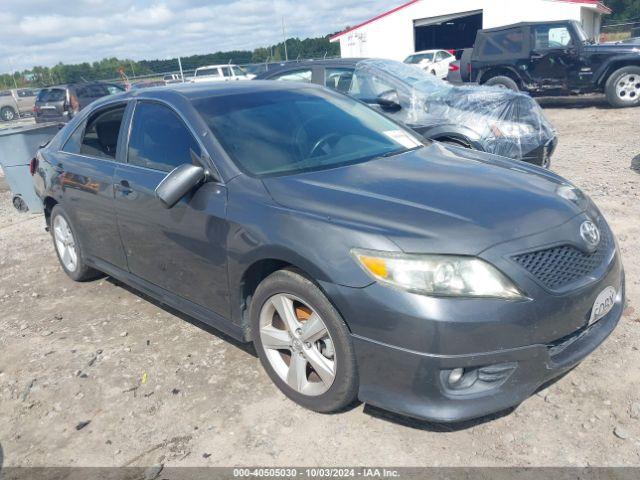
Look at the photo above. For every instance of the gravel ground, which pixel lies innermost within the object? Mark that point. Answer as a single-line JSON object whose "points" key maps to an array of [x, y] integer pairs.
{"points": [[95, 374]]}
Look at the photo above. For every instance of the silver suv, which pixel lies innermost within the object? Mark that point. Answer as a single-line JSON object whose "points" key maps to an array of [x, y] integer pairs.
{"points": [[16, 102]]}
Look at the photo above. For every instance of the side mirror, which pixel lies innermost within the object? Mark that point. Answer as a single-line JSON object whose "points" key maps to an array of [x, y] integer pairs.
{"points": [[178, 183], [389, 100]]}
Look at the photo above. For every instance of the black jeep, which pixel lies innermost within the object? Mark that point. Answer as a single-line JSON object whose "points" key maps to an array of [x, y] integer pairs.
{"points": [[545, 58]]}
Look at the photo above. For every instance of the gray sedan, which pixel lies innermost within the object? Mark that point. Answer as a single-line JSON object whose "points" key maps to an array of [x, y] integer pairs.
{"points": [[362, 261]]}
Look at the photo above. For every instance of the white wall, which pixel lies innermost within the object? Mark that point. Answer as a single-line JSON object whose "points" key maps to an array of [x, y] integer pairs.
{"points": [[392, 36]]}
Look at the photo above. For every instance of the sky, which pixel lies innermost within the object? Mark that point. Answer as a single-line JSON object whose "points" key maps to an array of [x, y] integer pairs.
{"points": [[45, 32]]}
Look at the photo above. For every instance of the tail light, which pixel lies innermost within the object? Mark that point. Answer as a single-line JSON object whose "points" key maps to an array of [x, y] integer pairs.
{"points": [[33, 166], [453, 68]]}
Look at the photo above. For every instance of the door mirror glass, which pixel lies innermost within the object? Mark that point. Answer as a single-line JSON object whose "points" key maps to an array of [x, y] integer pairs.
{"points": [[179, 183], [389, 100]]}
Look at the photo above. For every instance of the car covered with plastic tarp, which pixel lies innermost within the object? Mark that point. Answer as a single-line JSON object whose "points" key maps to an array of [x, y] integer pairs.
{"points": [[490, 119]]}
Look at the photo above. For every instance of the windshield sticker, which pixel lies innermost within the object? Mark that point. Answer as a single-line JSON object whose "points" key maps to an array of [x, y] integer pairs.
{"points": [[402, 138]]}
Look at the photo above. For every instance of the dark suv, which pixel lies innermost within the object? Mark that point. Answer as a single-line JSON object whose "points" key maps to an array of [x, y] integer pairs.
{"points": [[62, 102], [554, 58]]}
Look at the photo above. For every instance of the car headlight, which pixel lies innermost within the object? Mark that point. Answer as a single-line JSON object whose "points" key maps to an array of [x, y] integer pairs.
{"points": [[438, 275], [511, 129]]}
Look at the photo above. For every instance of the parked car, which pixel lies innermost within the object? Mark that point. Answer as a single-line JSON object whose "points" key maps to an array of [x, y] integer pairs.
{"points": [[435, 62], [16, 103], [554, 58], [62, 102], [220, 73], [172, 78], [491, 120], [362, 260]]}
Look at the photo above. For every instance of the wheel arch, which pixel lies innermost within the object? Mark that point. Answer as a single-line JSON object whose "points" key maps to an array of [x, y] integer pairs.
{"points": [[48, 204], [500, 72], [616, 64]]}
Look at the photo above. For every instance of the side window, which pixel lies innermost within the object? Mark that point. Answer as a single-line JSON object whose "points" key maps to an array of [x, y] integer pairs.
{"points": [[366, 86], [504, 43], [74, 142], [159, 139], [26, 93], [295, 76], [101, 135], [551, 36], [226, 71], [338, 78], [442, 56]]}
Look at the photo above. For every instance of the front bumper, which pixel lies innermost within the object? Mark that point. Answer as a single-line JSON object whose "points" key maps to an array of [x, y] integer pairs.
{"points": [[406, 345]]}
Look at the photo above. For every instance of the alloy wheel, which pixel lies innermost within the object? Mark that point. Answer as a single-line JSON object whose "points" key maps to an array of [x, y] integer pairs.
{"points": [[65, 243], [628, 88], [297, 344]]}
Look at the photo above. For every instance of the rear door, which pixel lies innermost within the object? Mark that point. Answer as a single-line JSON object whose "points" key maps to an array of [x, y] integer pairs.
{"points": [[26, 100], [182, 249], [86, 167]]}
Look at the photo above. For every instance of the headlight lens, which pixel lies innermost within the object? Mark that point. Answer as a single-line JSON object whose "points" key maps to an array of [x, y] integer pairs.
{"points": [[511, 129], [438, 275]]}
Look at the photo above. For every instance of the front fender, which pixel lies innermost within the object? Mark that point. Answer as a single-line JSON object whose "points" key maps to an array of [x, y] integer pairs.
{"points": [[614, 63]]}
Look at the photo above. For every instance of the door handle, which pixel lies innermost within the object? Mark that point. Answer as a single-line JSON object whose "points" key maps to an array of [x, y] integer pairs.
{"points": [[536, 56]]}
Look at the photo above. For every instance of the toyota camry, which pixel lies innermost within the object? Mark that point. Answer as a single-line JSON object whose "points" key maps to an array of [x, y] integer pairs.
{"points": [[363, 262]]}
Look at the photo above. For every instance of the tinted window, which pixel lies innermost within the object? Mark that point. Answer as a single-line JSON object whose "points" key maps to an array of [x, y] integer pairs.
{"points": [[338, 78], [551, 36], [504, 43], [113, 89], [51, 95], [26, 93], [226, 71], [159, 139], [101, 135], [91, 91], [74, 142], [288, 131], [295, 76], [5, 93]]}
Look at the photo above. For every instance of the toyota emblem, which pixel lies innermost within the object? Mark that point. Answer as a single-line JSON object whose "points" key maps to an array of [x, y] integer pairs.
{"points": [[590, 233]]}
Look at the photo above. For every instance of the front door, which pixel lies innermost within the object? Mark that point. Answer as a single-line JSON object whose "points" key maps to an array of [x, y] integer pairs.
{"points": [[554, 56], [182, 249]]}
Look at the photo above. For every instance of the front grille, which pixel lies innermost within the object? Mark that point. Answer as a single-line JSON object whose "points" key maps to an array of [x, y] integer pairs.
{"points": [[559, 266]]}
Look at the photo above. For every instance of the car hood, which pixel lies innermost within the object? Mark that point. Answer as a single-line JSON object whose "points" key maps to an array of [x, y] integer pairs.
{"points": [[437, 199]]}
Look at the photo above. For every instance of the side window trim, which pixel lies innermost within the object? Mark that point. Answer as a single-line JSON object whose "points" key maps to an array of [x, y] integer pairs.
{"points": [[207, 162], [83, 125]]}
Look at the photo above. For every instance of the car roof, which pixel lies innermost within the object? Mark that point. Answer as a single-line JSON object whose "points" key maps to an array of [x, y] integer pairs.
{"points": [[218, 66], [428, 51], [195, 91], [524, 24], [334, 62]]}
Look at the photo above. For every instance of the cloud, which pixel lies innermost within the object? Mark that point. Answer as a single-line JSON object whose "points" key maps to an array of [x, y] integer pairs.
{"points": [[45, 32]]}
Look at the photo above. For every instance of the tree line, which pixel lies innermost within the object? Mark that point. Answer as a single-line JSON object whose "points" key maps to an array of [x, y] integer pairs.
{"points": [[108, 68]]}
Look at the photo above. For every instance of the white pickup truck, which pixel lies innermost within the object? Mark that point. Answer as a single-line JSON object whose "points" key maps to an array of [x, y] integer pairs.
{"points": [[220, 73], [16, 102]]}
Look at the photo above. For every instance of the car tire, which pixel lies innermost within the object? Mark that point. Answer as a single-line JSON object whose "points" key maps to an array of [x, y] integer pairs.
{"points": [[503, 82], [336, 386], [68, 248], [7, 114], [623, 87]]}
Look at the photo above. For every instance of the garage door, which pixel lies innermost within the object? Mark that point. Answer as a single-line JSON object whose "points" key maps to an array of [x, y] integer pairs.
{"points": [[447, 32]]}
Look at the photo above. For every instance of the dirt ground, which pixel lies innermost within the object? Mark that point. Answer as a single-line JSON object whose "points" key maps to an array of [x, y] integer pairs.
{"points": [[96, 375]]}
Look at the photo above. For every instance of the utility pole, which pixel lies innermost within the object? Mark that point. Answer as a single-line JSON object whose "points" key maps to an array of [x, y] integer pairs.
{"points": [[181, 72], [132, 69], [284, 38]]}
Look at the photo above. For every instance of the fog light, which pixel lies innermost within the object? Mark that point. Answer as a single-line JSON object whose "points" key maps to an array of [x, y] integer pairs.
{"points": [[455, 376]]}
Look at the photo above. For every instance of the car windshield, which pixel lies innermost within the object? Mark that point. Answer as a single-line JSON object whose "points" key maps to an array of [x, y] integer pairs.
{"points": [[286, 131], [417, 58]]}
